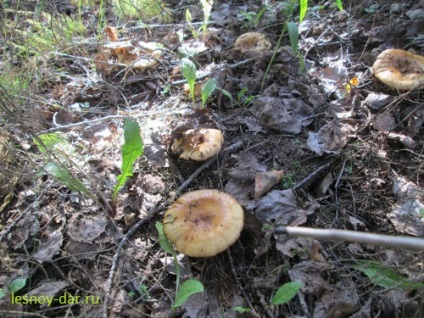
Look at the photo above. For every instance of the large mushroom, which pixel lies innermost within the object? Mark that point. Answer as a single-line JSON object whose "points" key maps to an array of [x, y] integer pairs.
{"points": [[399, 69], [203, 223], [198, 144]]}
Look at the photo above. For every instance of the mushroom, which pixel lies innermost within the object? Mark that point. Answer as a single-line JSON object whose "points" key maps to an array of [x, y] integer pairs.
{"points": [[254, 43], [198, 144], [399, 69], [203, 223]]}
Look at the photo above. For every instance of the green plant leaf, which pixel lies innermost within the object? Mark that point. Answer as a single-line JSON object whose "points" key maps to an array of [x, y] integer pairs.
{"points": [[131, 150], [188, 16], [17, 284], [385, 277], [226, 93], [189, 72], [303, 8], [64, 176], [207, 90], [339, 4], [293, 35], [207, 8], [241, 309], [50, 141], [285, 293], [163, 240], [188, 288], [2, 293]]}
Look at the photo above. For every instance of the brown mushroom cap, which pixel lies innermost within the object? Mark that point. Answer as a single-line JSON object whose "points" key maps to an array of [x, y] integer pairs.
{"points": [[399, 69], [252, 43], [198, 144], [203, 223]]}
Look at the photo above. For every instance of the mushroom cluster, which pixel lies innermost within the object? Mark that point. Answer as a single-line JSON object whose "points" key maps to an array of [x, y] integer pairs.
{"points": [[198, 144], [399, 69], [203, 223]]}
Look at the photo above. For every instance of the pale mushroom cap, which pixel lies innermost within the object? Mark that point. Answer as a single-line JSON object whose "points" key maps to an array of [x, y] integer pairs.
{"points": [[198, 144], [252, 42], [203, 223], [399, 69]]}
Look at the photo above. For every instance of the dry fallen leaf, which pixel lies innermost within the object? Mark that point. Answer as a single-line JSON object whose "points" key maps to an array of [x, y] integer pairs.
{"points": [[266, 180]]}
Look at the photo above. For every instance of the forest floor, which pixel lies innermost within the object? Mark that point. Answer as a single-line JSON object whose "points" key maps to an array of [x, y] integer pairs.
{"points": [[311, 139]]}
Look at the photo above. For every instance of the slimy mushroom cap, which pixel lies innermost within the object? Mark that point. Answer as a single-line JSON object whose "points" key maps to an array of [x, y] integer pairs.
{"points": [[399, 69], [203, 223]]}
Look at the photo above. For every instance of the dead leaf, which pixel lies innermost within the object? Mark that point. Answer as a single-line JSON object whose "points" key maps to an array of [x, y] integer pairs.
{"points": [[310, 274], [111, 33], [50, 248], [331, 138], [285, 115], [341, 301], [266, 180], [280, 207]]}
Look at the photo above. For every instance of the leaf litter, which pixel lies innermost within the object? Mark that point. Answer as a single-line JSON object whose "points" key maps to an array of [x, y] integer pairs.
{"points": [[290, 125]]}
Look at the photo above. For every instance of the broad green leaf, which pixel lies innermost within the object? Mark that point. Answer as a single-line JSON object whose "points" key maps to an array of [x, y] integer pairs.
{"points": [[189, 73], [131, 150], [163, 240], [188, 288], [285, 293], [207, 90], [385, 277], [303, 7], [49, 141], [17, 284], [339, 4], [64, 176], [293, 35]]}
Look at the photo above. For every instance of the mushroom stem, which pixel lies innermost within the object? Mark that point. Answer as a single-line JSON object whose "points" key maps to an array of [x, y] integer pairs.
{"points": [[401, 242]]}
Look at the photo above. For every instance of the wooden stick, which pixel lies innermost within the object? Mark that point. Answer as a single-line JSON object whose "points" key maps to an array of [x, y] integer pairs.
{"points": [[400, 242]]}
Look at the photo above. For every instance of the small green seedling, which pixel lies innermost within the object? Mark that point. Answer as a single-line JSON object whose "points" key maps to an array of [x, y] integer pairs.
{"points": [[285, 293], [189, 287], [131, 150], [303, 4], [189, 72], [16, 285], [207, 90], [207, 8], [241, 309]]}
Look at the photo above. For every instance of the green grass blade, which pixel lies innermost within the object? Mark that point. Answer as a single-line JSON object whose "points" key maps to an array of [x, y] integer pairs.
{"points": [[163, 240], [65, 177], [303, 8], [293, 35], [339, 4], [188, 288], [385, 277], [131, 150]]}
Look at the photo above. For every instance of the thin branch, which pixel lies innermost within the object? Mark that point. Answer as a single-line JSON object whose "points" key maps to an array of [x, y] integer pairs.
{"points": [[399, 242], [117, 254], [204, 166]]}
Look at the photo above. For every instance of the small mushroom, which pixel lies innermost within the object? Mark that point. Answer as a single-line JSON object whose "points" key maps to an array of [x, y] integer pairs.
{"points": [[198, 144], [203, 223], [253, 43], [399, 69]]}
